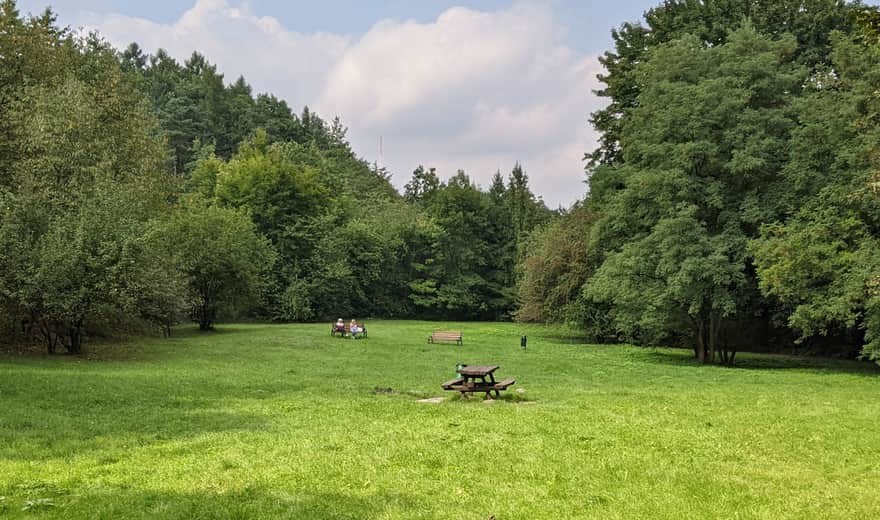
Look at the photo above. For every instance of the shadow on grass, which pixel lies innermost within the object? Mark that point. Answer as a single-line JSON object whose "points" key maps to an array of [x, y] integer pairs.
{"points": [[186, 331], [515, 398], [120, 346], [755, 361], [57, 413], [563, 338], [250, 502], [31, 442]]}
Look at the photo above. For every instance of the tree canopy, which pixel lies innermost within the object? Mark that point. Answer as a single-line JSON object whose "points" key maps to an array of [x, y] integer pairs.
{"points": [[732, 201], [139, 191]]}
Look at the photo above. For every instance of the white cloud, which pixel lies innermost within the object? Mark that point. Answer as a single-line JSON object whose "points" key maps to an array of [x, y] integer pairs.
{"points": [[472, 90], [288, 64]]}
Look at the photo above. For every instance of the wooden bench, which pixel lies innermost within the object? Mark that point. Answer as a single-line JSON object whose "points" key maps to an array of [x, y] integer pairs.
{"points": [[448, 336], [346, 330], [472, 387], [453, 382], [504, 384]]}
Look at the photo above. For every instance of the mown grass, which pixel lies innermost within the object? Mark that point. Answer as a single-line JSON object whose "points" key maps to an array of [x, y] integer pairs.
{"points": [[263, 421]]}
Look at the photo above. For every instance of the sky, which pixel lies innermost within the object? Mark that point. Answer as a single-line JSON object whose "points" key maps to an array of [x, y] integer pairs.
{"points": [[476, 86]]}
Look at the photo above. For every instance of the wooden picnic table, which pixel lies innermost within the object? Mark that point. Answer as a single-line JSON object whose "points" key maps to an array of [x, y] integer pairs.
{"points": [[474, 372], [478, 378]]}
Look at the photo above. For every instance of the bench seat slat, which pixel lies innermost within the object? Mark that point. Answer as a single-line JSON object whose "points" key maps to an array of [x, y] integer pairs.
{"points": [[479, 387], [453, 382], [502, 385]]}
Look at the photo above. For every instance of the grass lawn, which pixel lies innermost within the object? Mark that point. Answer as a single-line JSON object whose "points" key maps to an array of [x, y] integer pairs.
{"points": [[274, 421]]}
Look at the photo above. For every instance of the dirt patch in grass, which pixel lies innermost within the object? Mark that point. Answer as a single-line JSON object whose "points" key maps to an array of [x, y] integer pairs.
{"points": [[432, 400]]}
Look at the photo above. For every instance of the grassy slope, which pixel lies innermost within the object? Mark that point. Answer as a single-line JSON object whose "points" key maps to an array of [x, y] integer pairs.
{"points": [[284, 421]]}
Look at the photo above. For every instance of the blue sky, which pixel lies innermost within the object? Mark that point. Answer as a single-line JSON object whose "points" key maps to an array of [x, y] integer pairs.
{"points": [[588, 21], [477, 86]]}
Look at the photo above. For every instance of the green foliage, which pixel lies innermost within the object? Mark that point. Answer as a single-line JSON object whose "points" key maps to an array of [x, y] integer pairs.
{"points": [[343, 239], [821, 267], [558, 260], [194, 106], [348, 245], [721, 143], [289, 193], [284, 197], [524, 208], [89, 268], [205, 170], [710, 23], [421, 186], [726, 118], [868, 21], [470, 273], [223, 259], [118, 171], [702, 151], [734, 186], [81, 178], [821, 259]]}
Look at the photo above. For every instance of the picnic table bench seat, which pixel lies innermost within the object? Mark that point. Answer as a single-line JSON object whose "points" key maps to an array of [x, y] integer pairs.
{"points": [[453, 382], [476, 386], [504, 384], [448, 336]]}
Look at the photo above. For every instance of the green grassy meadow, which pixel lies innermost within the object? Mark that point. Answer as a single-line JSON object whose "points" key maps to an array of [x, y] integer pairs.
{"points": [[283, 421]]}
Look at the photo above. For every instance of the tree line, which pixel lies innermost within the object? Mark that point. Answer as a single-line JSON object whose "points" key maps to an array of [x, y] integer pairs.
{"points": [[733, 200], [137, 192], [732, 205]]}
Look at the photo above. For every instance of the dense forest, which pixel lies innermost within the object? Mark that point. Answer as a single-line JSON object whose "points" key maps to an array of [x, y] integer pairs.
{"points": [[732, 199], [733, 202], [138, 192]]}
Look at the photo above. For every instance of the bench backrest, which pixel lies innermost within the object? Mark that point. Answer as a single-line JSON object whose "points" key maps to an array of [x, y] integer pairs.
{"points": [[446, 334]]}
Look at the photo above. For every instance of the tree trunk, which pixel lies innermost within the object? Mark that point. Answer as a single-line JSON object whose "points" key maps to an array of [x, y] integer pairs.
{"points": [[75, 336], [714, 328], [206, 313], [711, 337], [730, 358], [27, 328], [45, 330], [206, 318], [701, 341]]}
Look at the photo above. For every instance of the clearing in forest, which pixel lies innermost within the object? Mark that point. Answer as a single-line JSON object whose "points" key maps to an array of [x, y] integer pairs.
{"points": [[274, 421]]}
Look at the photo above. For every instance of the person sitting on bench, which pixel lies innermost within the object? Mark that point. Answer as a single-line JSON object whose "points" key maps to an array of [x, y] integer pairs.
{"points": [[354, 329], [340, 326]]}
